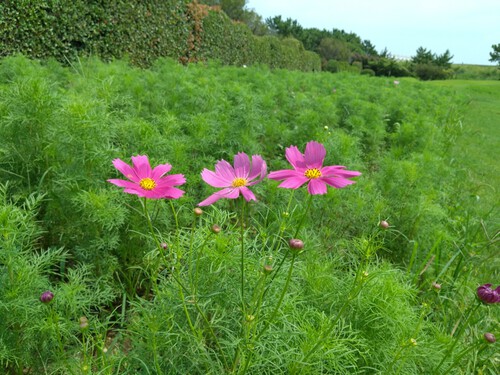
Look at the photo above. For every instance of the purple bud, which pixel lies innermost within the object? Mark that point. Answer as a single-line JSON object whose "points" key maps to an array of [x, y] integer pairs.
{"points": [[296, 244], [164, 245], [47, 296], [490, 337], [383, 224], [488, 295]]}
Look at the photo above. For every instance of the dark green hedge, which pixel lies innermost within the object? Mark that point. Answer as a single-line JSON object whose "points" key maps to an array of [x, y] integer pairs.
{"points": [[143, 30]]}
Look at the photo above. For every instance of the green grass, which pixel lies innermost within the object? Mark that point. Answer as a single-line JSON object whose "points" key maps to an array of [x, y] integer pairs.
{"points": [[476, 72], [477, 149]]}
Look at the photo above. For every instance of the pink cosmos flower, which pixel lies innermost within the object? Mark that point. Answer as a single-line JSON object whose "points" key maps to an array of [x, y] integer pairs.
{"points": [[234, 180], [146, 182], [308, 167]]}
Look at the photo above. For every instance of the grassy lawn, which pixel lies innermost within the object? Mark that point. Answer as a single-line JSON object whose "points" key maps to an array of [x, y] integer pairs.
{"points": [[481, 138]]}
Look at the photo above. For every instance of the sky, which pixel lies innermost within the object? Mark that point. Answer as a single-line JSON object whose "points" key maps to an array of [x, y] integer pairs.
{"points": [[467, 28]]}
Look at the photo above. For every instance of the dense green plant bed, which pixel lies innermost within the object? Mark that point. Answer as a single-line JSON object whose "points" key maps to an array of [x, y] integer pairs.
{"points": [[377, 275]]}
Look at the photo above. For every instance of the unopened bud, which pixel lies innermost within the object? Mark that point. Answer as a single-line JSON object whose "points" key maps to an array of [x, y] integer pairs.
{"points": [[268, 269], [164, 245], [47, 296], [490, 337], [413, 342], [215, 228], [436, 286], [84, 322], [383, 224], [250, 318], [296, 244], [198, 211]]}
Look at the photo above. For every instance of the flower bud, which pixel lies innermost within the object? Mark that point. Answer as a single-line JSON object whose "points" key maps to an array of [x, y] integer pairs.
{"points": [[488, 295], [413, 342], [47, 296], [268, 269], [83, 322], [164, 245], [296, 244], [436, 286], [490, 337], [215, 229], [198, 211], [383, 224]]}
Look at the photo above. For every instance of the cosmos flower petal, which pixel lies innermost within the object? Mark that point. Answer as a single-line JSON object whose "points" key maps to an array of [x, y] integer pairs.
{"points": [[284, 173], [293, 182], [295, 157], [160, 170], [338, 170], [258, 167], [316, 186], [337, 182], [247, 194], [123, 183], [225, 171], [169, 192], [230, 193], [171, 180], [314, 155], [141, 166], [126, 170], [241, 165], [214, 179]]}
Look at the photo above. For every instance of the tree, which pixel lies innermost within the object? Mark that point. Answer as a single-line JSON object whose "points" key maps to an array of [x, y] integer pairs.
{"points": [[444, 60], [255, 23], [334, 49], [423, 56], [235, 9], [285, 28], [495, 55]]}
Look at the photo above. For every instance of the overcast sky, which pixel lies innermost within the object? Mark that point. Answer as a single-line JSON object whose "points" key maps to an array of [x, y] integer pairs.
{"points": [[468, 28]]}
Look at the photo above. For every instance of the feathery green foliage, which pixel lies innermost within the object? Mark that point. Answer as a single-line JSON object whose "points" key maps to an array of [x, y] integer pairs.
{"points": [[360, 298]]}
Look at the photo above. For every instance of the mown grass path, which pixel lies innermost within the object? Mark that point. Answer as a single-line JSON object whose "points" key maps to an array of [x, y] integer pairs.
{"points": [[478, 148]]}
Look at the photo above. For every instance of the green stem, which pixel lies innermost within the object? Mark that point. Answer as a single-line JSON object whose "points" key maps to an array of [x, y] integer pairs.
{"points": [[274, 313], [242, 261], [350, 296], [150, 223], [460, 355], [469, 314], [276, 272], [308, 206], [282, 296]]}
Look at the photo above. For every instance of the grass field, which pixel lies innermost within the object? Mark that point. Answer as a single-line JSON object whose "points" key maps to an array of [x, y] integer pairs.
{"points": [[480, 142]]}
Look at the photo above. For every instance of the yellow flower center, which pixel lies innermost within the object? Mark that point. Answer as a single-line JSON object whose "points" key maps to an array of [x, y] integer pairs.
{"points": [[312, 173], [147, 183], [238, 182]]}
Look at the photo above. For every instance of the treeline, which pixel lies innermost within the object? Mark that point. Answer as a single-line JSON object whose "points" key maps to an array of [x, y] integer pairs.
{"points": [[141, 30], [192, 31], [343, 51]]}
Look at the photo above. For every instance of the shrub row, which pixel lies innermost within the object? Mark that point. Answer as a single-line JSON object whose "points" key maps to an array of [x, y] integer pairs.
{"points": [[143, 30]]}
